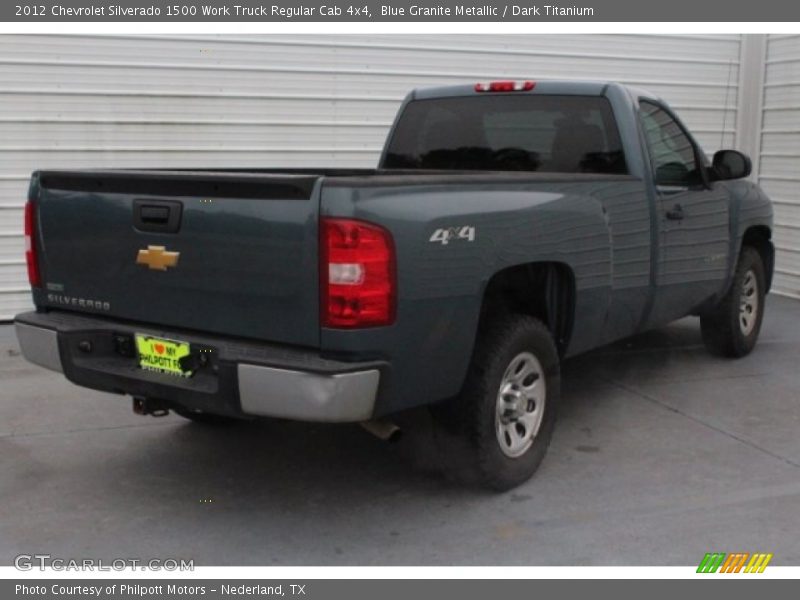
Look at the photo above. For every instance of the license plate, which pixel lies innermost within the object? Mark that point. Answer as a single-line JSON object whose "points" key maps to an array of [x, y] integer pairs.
{"points": [[158, 354]]}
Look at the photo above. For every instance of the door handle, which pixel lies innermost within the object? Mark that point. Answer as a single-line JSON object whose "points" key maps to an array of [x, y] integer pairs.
{"points": [[675, 214]]}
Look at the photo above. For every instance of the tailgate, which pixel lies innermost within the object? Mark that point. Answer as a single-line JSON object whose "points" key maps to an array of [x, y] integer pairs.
{"points": [[231, 253]]}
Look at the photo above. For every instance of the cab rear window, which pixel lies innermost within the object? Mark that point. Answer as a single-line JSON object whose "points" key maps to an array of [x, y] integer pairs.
{"points": [[559, 134]]}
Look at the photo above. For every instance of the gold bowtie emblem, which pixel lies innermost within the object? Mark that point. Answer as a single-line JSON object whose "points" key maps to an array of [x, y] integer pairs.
{"points": [[157, 258]]}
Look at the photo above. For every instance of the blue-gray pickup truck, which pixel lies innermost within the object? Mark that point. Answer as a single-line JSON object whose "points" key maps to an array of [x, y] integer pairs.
{"points": [[510, 224]]}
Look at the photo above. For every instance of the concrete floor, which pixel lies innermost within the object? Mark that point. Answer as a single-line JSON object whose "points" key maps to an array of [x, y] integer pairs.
{"points": [[662, 453]]}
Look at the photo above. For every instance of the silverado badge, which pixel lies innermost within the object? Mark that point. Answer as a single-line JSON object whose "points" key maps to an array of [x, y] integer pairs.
{"points": [[157, 258]]}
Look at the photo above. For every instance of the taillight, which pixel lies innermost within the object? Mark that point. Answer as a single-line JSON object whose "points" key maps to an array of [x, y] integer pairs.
{"points": [[30, 245], [505, 86], [357, 274]]}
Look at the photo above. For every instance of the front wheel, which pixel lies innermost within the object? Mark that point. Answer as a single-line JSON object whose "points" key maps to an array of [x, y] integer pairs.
{"points": [[731, 328], [505, 414]]}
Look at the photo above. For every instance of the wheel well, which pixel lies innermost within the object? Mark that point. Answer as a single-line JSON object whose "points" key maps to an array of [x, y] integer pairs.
{"points": [[758, 237], [543, 290]]}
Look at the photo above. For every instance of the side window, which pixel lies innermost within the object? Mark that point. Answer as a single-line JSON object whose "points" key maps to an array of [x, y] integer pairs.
{"points": [[672, 153]]}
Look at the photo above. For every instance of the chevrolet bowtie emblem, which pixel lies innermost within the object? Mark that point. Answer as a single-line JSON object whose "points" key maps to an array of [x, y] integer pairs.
{"points": [[157, 258]]}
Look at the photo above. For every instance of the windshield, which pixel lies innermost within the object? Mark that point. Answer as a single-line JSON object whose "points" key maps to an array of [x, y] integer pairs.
{"points": [[560, 134]]}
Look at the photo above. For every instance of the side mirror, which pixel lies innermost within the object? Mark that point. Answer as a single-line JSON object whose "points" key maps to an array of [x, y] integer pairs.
{"points": [[730, 164]]}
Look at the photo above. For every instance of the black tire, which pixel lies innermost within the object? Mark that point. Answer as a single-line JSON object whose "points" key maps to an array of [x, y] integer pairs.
{"points": [[206, 418], [723, 327], [468, 424]]}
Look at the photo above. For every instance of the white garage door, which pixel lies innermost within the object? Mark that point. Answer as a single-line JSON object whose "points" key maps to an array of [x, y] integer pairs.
{"points": [[184, 101], [780, 156]]}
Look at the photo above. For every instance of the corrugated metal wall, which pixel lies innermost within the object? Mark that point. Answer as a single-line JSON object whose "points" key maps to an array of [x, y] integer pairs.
{"points": [[257, 101], [780, 155]]}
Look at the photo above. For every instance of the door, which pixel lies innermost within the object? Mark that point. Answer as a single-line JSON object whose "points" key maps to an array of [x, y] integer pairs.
{"points": [[694, 230]]}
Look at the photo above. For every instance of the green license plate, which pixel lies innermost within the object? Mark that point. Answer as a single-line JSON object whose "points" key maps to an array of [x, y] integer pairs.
{"points": [[157, 354]]}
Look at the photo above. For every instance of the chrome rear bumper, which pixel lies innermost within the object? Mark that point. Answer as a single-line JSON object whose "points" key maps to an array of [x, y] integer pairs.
{"points": [[297, 385], [39, 346], [307, 396]]}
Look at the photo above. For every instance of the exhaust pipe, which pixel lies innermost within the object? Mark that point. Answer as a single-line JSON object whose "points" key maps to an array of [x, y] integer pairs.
{"points": [[383, 430]]}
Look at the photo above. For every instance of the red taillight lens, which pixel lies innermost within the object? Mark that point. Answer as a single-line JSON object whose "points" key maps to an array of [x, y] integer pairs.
{"points": [[357, 274], [505, 86], [30, 245]]}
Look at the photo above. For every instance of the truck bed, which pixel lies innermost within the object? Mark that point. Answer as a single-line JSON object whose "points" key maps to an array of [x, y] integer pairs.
{"points": [[246, 241]]}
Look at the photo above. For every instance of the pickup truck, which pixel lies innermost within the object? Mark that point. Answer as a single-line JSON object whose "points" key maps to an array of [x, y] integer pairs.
{"points": [[509, 225]]}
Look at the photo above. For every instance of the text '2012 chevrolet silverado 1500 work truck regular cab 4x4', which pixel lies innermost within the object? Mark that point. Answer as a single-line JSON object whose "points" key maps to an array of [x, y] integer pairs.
{"points": [[509, 225]]}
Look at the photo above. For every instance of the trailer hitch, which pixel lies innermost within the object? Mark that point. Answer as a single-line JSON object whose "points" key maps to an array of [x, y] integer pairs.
{"points": [[149, 406]]}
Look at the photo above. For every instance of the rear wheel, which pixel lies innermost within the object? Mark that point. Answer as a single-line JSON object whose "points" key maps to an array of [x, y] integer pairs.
{"points": [[501, 424], [731, 328]]}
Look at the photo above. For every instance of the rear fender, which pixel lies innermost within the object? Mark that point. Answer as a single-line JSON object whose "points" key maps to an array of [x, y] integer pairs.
{"points": [[442, 278]]}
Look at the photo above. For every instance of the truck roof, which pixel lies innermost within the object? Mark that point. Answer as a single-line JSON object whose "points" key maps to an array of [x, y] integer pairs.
{"points": [[546, 86]]}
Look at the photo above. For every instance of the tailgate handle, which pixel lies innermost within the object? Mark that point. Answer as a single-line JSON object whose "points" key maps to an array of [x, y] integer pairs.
{"points": [[162, 216], [155, 214]]}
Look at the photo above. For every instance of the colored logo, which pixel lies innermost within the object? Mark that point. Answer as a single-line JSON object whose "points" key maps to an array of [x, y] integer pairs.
{"points": [[737, 562], [157, 258]]}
